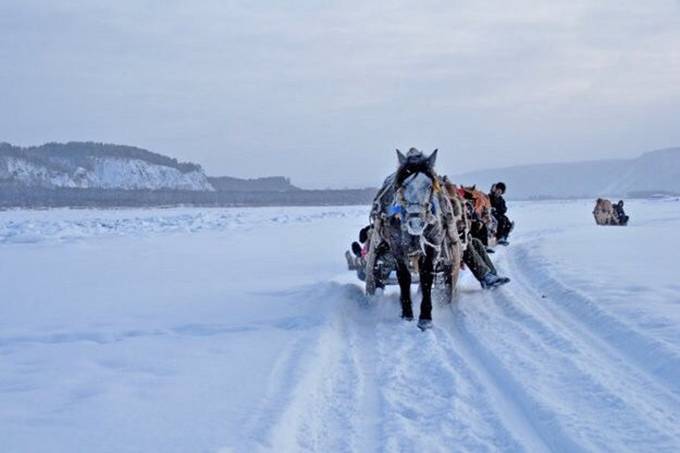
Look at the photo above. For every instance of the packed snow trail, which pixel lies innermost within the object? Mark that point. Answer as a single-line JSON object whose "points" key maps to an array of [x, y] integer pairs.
{"points": [[239, 330], [534, 366], [478, 382]]}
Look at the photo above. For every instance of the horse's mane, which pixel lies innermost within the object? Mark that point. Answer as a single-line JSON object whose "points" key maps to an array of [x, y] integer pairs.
{"points": [[412, 167]]}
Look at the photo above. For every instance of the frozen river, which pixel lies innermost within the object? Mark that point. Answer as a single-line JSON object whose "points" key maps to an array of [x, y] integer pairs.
{"points": [[211, 330]]}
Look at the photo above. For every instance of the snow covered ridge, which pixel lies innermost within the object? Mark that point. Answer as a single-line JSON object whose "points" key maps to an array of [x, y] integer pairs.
{"points": [[106, 173], [17, 227], [97, 166]]}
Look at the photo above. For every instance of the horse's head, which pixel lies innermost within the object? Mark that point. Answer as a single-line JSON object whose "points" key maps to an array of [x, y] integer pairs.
{"points": [[415, 204]]}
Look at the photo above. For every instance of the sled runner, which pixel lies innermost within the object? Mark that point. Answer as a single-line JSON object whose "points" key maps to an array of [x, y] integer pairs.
{"points": [[385, 267]]}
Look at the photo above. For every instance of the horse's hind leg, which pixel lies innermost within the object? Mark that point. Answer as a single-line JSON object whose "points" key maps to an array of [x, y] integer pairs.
{"points": [[404, 277]]}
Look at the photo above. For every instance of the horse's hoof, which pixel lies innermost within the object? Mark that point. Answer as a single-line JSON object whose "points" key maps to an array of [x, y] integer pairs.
{"points": [[424, 324], [407, 318]]}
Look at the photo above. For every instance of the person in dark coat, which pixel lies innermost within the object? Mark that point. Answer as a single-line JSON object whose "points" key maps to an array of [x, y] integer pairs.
{"points": [[620, 214], [500, 213]]}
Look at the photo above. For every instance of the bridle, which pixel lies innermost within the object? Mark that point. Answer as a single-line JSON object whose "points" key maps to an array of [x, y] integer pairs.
{"points": [[415, 218]]}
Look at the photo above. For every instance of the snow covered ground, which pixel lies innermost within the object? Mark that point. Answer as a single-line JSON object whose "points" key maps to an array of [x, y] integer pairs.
{"points": [[229, 330]]}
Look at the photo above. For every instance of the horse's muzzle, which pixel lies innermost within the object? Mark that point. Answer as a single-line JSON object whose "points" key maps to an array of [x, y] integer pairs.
{"points": [[415, 226]]}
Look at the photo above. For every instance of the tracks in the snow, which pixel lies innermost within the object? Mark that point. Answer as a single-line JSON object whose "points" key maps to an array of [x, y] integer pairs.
{"points": [[323, 391], [528, 367], [577, 392], [366, 381], [582, 313]]}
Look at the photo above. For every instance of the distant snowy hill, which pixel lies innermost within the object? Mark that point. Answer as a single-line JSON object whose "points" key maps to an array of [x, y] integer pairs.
{"points": [[102, 175], [87, 165], [653, 172], [29, 177]]}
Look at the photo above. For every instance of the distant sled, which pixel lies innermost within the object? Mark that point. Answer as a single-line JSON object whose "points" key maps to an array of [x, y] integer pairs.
{"points": [[607, 213]]}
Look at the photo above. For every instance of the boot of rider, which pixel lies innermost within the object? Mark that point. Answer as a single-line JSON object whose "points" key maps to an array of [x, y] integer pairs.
{"points": [[492, 281]]}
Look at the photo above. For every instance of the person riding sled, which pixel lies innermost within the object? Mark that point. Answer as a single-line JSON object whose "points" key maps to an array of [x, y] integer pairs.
{"points": [[620, 214], [475, 257], [500, 210], [477, 260], [476, 254]]}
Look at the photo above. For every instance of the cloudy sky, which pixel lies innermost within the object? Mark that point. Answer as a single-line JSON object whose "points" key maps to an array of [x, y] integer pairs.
{"points": [[324, 91]]}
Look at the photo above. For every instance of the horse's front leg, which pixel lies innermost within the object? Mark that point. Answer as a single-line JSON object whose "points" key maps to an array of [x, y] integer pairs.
{"points": [[404, 277], [426, 281]]}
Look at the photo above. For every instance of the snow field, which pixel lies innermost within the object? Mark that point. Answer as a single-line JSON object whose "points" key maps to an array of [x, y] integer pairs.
{"points": [[240, 330]]}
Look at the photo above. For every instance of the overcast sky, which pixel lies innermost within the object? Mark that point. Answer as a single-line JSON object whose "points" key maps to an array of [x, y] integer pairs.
{"points": [[324, 91]]}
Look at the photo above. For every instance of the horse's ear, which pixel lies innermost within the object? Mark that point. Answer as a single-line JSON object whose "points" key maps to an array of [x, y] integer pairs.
{"points": [[401, 157], [433, 158]]}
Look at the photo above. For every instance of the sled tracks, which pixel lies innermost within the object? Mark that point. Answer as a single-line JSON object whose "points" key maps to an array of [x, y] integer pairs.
{"points": [[507, 370], [321, 394], [593, 383], [367, 381]]}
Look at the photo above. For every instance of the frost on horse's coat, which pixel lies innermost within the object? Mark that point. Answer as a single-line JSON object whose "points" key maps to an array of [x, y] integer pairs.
{"points": [[416, 220]]}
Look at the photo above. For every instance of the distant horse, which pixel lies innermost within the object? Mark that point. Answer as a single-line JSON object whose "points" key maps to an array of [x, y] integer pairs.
{"points": [[415, 218], [482, 208], [480, 200], [604, 212]]}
